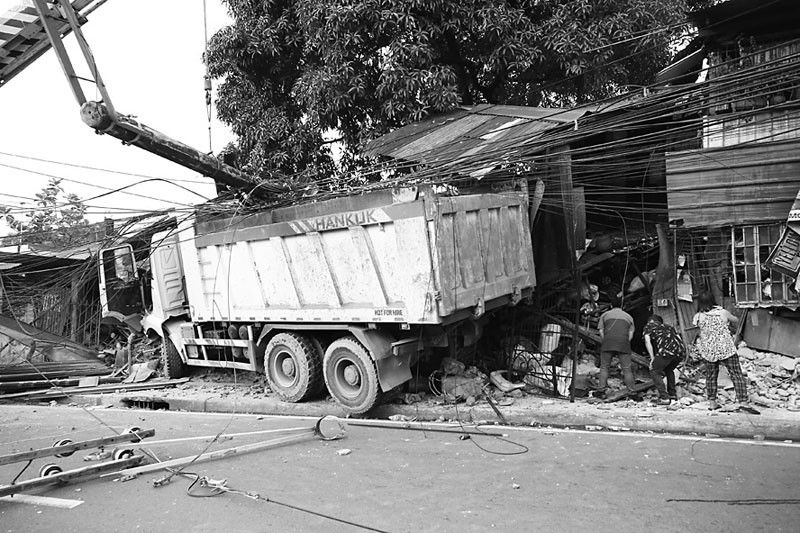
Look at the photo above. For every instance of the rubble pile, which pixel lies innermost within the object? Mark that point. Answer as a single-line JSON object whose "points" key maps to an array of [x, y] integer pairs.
{"points": [[774, 378]]}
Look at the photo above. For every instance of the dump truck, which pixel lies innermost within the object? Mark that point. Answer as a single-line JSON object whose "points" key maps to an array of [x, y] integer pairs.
{"points": [[344, 294]]}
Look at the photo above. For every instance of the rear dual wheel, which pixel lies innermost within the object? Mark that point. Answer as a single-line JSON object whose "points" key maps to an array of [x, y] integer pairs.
{"points": [[351, 375], [293, 364]]}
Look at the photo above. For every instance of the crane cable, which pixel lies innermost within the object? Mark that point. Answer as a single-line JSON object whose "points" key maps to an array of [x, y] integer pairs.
{"points": [[207, 77]]}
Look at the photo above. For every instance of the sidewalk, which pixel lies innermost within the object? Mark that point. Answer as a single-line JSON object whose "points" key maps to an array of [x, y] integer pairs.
{"points": [[771, 424]]}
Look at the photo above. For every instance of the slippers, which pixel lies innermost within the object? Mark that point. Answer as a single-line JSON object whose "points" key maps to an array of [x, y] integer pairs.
{"points": [[749, 409]]}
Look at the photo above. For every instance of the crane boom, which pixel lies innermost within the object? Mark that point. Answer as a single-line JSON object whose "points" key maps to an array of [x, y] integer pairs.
{"points": [[57, 18]]}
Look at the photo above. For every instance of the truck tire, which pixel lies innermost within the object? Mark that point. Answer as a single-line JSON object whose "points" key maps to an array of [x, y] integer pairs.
{"points": [[293, 366], [351, 375], [174, 367]]}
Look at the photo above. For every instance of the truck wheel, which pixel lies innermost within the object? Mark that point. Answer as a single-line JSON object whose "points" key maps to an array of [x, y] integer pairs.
{"points": [[293, 366], [174, 367], [351, 375]]}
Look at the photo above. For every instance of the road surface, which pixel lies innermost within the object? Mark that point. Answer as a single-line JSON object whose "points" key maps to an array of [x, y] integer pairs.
{"points": [[399, 480]]}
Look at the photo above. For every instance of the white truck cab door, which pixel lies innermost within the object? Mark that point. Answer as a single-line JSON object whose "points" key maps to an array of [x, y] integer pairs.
{"points": [[120, 287]]}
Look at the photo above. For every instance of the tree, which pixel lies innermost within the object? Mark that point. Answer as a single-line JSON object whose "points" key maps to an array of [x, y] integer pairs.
{"points": [[295, 70], [55, 220]]}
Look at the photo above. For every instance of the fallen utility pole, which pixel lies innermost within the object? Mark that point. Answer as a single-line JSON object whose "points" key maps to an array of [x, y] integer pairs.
{"points": [[301, 434], [70, 448], [422, 426], [217, 454], [69, 475]]}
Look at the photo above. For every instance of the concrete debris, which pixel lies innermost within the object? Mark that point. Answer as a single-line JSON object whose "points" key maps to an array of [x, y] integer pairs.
{"points": [[773, 378], [452, 367], [461, 387], [412, 398]]}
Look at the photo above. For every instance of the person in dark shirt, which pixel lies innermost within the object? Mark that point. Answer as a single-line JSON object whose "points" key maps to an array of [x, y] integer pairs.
{"points": [[616, 331], [666, 350]]}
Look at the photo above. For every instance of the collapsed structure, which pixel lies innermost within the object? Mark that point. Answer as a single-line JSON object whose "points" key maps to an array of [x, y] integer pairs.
{"points": [[654, 196]]}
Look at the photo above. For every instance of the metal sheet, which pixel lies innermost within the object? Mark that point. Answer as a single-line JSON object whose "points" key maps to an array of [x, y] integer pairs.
{"points": [[742, 184], [479, 131]]}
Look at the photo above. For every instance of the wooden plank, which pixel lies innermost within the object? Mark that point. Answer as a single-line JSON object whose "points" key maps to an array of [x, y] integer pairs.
{"points": [[75, 446], [579, 206], [625, 392], [16, 386], [69, 475]]}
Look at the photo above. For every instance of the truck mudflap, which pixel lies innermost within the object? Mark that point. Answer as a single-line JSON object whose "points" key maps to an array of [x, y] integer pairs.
{"points": [[393, 359]]}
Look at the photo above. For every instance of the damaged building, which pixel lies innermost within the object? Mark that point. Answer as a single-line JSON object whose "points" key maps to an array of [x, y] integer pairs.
{"points": [[729, 197]]}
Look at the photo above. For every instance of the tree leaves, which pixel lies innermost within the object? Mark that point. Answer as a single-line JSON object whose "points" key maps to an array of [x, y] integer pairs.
{"points": [[54, 220], [295, 69]]}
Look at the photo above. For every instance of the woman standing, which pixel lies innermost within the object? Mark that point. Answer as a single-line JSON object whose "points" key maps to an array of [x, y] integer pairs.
{"points": [[716, 346]]}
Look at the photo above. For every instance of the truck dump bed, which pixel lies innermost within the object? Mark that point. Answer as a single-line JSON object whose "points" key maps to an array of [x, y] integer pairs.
{"points": [[399, 256]]}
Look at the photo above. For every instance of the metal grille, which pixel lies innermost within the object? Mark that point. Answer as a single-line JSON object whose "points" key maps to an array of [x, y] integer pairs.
{"points": [[755, 283]]}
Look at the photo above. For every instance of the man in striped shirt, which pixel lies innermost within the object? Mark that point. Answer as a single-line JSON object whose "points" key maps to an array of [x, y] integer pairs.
{"points": [[616, 331]]}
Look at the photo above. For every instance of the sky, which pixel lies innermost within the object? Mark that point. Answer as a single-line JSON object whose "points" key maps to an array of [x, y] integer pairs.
{"points": [[149, 54]]}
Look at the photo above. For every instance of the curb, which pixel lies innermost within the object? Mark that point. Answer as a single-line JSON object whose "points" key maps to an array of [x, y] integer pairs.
{"points": [[774, 425]]}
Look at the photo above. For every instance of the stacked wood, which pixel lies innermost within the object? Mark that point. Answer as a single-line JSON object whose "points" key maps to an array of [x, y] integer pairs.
{"points": [[17, 386], [56, 393], [28, 376], [44, 371]]}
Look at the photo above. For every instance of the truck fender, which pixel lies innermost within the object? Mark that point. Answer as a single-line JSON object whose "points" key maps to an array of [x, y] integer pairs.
{"points": [[172, 329], [394, 366]]}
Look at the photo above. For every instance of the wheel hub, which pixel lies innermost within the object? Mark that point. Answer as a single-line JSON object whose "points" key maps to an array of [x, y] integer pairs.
{"points": [[351, 375], [287, 366]]}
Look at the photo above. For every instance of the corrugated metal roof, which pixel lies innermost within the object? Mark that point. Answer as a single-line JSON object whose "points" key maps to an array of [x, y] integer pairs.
{"points": [[23, 38], [469, 134]]}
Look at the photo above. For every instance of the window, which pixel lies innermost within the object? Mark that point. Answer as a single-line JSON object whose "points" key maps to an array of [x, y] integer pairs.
{"points": [[757, 285]]}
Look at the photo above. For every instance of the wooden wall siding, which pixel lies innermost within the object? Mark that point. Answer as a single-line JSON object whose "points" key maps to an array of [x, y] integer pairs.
{"points": [[769, 126], [743, 184]]}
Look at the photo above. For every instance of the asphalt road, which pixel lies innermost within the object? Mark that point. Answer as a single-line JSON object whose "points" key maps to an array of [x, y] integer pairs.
{"points": [[398, 480]]}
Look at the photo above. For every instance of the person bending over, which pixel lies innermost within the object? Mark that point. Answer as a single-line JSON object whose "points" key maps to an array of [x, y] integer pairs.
{"points": [[616, 331], [666, 350]]}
